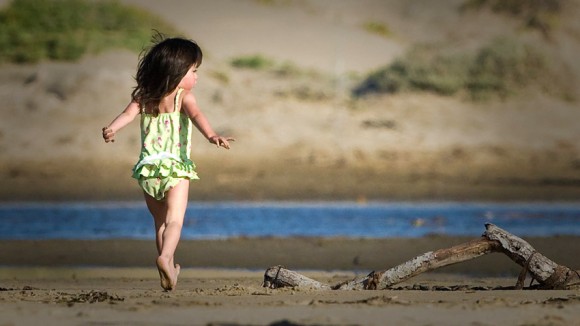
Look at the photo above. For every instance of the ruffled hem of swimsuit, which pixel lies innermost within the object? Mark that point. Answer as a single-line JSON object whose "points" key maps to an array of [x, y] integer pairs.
{"points": [[165, 168]]}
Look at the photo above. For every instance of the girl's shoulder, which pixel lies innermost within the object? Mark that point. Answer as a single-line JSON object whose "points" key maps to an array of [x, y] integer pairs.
{"points": [[188, 99], [189, 105], [187, 96]]}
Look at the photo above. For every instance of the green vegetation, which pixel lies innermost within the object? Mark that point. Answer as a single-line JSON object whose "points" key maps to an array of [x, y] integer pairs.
{"points": [[259, 62], [220, 76], [297, 81], [537, 14], [503, 67], [273, 2], [255, 62], [497, 69], [34, 30], [377, 28]]}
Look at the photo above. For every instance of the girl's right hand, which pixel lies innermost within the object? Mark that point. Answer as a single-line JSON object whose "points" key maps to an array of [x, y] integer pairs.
{"points": [[108, 135]]}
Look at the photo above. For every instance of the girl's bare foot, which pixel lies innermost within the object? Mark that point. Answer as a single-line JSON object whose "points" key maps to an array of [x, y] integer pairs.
{"points": [[168, 278], [177, 270]]}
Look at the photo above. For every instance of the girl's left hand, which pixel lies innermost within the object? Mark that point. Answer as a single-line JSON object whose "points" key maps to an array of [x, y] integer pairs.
{"points": [[221, 141]]}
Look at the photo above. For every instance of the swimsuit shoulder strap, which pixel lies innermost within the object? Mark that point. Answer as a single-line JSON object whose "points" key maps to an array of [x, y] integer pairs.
{"points": [[177, 102]]}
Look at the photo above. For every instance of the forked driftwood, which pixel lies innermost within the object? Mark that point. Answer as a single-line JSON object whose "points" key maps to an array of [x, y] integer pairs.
{"points": [[547, 273]]}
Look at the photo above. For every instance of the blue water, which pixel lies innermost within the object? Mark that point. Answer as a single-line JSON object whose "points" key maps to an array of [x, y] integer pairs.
{"points": [[131, 220]]}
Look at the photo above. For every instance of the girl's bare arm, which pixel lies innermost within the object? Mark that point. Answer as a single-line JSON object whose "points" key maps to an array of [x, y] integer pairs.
{"points": [[123, 119], [190, 107]]}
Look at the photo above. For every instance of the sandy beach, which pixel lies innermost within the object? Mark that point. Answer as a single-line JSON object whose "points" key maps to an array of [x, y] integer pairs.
{"points": [[115, 283], [217, 297]]}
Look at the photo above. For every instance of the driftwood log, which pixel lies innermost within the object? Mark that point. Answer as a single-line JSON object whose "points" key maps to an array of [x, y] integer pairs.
{"points": [[547, 273]]}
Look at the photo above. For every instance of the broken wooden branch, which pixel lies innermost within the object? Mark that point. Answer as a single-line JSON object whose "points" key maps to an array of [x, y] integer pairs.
{"points": [[278, 276], [549, 274]]}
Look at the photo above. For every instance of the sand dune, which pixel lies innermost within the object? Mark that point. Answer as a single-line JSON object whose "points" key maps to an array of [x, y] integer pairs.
{"points": [[301, 136]]}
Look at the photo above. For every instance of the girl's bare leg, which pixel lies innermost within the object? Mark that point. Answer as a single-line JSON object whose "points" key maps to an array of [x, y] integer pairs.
{"points": [[168, 216], [158, 210]]}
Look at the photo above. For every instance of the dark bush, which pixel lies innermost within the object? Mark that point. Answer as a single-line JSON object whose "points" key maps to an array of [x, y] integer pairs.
{"points": [[499, 68]]}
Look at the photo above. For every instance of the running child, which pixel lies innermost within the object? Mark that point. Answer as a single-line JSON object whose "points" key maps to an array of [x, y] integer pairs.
{"points": [[166, 74]]}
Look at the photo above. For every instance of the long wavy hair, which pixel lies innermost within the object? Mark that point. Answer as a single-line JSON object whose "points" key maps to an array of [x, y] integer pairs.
{"points": [[161, 68]]}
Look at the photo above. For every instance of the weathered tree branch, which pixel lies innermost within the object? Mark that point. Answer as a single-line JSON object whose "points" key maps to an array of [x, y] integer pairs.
{"points": [[549, 274], [278, 276]]}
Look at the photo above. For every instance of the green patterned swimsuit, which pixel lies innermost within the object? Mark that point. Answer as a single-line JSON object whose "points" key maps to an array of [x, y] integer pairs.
{"points": [[165, 151]]}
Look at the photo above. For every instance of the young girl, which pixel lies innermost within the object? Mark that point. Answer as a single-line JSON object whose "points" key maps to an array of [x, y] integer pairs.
{"points": [[165, 76]]}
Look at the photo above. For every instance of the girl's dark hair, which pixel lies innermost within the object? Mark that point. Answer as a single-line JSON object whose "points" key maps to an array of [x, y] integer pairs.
{"points": [[161, 68]]}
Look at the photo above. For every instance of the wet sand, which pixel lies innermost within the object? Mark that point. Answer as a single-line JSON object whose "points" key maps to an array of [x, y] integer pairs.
{"points": [[115, 283]]}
